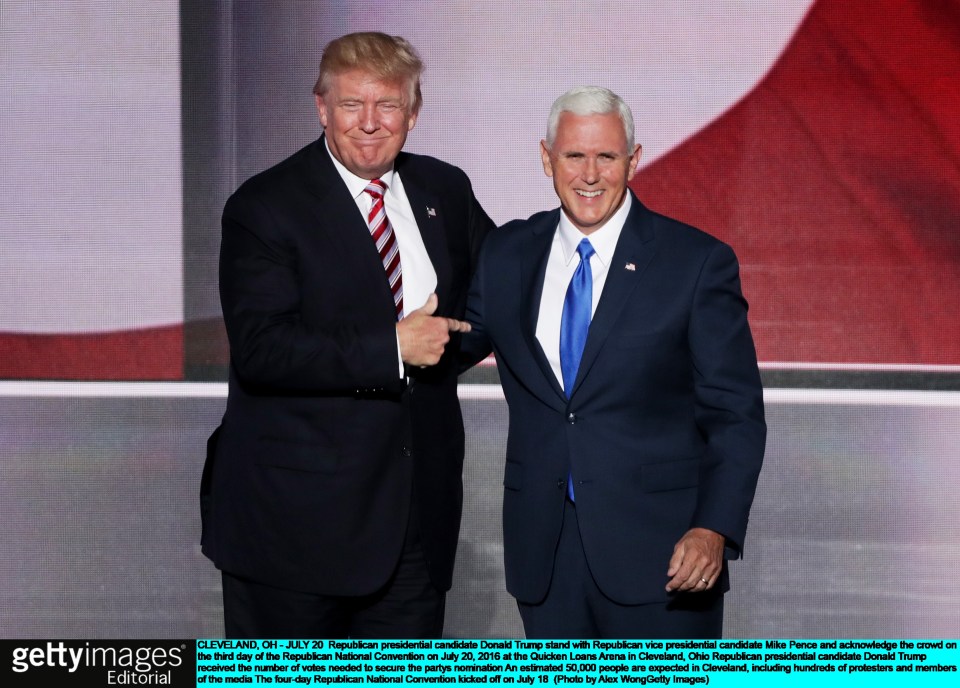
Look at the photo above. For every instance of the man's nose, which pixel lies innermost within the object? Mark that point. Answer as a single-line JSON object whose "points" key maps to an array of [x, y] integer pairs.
{"points": [[591, 171], [368, 119]]}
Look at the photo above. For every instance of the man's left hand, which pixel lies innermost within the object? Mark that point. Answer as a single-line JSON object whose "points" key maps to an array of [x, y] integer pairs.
{"points": [[696, 562]]}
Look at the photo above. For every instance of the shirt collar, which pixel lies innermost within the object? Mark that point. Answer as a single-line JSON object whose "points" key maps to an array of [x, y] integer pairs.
{"points": [[355, 184], [604, 240]]}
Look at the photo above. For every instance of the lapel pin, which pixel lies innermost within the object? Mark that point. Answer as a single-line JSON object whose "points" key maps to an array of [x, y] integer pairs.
{"points": [[431, 212], [631, 267]]}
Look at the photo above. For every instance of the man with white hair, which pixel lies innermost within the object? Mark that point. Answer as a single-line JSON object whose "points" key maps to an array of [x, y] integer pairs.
{"points": [[636, 410]]}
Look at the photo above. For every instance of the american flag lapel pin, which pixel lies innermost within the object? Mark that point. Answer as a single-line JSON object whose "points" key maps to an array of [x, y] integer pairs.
{"points": [[431, 212], [631, 267]]}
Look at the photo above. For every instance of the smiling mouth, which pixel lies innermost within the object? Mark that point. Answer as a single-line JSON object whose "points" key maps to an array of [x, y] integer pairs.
{"points": [[589, 194]]}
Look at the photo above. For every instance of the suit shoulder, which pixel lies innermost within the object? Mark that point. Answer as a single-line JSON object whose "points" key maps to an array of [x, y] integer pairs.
{"points": [[547, 219], [534, 220], [676, 231], [507, 235], [285, 175], [430, 171]]}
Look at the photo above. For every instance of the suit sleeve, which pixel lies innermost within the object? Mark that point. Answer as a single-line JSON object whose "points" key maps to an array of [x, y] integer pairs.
{"points": [[729, 400], [475, 345], [271, 345], [480, 225]]}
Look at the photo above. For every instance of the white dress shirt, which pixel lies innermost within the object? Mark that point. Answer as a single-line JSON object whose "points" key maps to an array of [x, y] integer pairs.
{"points": [[562, 263], [418, 274]]}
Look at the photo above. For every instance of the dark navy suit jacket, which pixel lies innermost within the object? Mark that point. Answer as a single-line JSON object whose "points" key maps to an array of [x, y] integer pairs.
{"points": [[665, 428], [324, 449]]}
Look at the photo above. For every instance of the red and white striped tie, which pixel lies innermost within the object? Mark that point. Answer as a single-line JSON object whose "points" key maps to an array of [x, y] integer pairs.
{"points": [[386, 242]]}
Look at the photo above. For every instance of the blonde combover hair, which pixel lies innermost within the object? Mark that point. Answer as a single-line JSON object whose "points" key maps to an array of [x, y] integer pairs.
{"points": [[389, 58]]}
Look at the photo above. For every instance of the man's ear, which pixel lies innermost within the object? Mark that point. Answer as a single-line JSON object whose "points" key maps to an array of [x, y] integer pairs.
{"points": [[545, 158], [634, 161], [321, 110]]}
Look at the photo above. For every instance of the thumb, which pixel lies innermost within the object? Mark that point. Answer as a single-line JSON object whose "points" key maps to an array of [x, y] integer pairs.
{"points": [[430, 307]]}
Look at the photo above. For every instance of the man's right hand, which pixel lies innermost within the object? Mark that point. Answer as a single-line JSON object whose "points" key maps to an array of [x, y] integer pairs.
{"points": [[423, 336]]}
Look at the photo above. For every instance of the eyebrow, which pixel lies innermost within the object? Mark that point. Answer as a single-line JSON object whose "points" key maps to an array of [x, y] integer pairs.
{"points": [[612, 154], [360, 99]]}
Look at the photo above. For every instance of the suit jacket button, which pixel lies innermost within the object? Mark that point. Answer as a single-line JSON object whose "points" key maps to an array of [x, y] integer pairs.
{"points": [[406, 451], [561, 483], [571, 418]]}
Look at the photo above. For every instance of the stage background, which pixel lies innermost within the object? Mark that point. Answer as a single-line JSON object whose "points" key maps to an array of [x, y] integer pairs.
{"points": [[820, 139]]}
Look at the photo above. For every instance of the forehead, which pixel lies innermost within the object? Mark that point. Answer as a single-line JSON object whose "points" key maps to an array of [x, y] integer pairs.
{"points": [[590, 132], [358, 83]]}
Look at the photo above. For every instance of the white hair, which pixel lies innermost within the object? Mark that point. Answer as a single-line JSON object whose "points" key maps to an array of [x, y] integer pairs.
{"points": [[590, 100]]}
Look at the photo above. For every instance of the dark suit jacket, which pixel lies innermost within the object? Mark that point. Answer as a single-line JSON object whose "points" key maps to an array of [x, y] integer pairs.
{"points": [[664, 430], [324, 449]]}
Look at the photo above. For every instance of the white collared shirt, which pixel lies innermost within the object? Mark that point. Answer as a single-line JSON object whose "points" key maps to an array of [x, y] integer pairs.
{"points": [[419, 275], [562, 263]]}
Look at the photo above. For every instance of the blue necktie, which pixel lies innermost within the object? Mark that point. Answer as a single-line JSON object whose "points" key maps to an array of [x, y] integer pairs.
{"points": [[575, 323]]}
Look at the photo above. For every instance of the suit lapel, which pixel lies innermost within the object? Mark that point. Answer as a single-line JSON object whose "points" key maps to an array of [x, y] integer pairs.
{"points": [[533, 270], [433, 230], [343, 229], [635, 248]]}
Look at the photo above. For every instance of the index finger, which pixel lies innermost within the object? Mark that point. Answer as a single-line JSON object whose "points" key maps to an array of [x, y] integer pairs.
{"points": [[454, 325]]}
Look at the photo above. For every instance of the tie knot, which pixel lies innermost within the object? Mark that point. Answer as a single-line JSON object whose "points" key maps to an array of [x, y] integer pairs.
{"points": [[585, 249], [376, 188]]}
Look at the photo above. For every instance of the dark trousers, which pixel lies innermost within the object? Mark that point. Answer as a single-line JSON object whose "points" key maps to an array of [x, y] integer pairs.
{"points": [[576, 608], [407, 606]]}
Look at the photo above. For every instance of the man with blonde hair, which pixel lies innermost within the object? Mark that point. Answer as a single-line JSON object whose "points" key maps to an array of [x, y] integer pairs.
{"points": [[332, 492]]}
